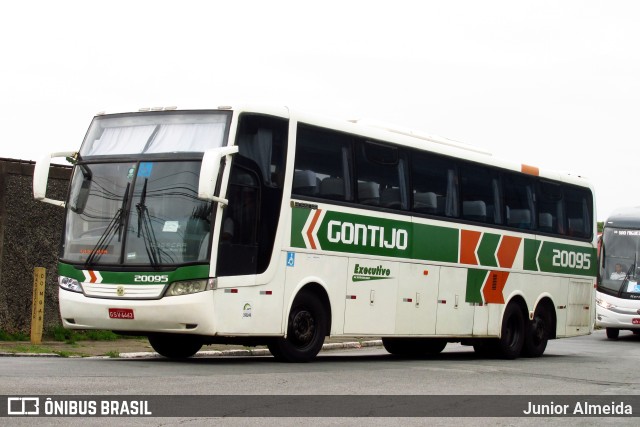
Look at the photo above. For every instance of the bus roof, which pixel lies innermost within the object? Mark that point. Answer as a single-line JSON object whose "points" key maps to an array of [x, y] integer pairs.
{"points": [[627, 217], [388, 133]]}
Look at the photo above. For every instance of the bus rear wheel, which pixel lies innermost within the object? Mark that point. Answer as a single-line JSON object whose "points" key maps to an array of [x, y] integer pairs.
{"points": [[512, 338], [175, 346], [307, 328], [537, 333], [414, 347]]}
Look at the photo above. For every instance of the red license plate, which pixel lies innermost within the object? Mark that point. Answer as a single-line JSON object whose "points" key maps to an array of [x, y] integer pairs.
{"points": [[121, 313], [635, 321]]}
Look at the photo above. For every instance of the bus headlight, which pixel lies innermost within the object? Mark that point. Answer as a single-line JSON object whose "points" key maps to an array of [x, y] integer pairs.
{"points": [[69, 284], [604, 304], [189, 287]]}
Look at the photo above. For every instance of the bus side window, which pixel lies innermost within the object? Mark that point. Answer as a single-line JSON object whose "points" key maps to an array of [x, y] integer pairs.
{"points": [[578, 205], [321, 165], [480, 194], [380, 172], [518, 201], [549, 202], [434, 185]]}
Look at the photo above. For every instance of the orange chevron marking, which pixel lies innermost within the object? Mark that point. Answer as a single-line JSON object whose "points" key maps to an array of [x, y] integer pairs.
{"points": [[508, 250], [468, 244], [493, 287]]}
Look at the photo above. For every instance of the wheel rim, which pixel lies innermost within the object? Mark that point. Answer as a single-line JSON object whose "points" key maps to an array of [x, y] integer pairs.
{"points": [[303, 328]]}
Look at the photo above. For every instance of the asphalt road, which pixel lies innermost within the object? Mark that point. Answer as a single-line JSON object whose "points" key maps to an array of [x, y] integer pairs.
{"points": [[590, 365]]}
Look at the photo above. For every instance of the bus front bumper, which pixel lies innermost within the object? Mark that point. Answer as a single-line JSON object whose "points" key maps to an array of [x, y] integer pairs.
{"points": [[190, 314], [617, 313]]}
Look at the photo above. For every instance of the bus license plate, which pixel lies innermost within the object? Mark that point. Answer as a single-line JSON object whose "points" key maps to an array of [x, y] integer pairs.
{"points": [[121, 313], [636, 321]]}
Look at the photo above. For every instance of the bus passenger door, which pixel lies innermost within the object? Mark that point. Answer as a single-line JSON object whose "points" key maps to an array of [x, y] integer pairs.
{"points": [[454, 315], [370, 303]]}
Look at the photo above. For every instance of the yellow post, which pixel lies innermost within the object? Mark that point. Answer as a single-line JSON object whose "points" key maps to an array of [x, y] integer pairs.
{"points": [[37, 308]]}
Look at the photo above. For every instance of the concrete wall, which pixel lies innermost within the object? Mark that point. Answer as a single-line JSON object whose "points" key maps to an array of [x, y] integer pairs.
{"points": [[30, 236]]}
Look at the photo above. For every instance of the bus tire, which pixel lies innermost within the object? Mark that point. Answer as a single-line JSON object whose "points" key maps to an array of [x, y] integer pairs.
{"points": [[175, 346], [306, 330], [512, 338], [613, 333], [414, 347], [537, 333]]}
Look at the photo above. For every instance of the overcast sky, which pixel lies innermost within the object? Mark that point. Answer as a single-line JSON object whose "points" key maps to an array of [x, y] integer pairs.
{"points": [[555, 84]]}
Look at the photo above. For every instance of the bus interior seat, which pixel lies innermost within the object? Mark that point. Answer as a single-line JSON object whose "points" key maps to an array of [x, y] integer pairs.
{"points": [[520, 218], [475, 210], [369, 193], [332, 188], [425, 202], [545, 222], [390, 198], [305, 182]]}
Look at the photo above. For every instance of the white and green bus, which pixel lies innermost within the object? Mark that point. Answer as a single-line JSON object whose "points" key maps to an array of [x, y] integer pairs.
{"points": [[271, 227]]}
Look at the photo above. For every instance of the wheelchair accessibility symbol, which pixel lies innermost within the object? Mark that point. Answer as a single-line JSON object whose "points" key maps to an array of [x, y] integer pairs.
{"points": [[291, 259]]}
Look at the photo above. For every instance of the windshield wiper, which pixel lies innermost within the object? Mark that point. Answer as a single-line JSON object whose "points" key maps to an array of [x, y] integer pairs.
{"points": [[115, 225], [145, 228], [626, 278]]}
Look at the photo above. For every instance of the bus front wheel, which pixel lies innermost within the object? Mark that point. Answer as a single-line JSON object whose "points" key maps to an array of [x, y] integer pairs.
{"points": [[307, 328], [613, 333], [175, 346]]}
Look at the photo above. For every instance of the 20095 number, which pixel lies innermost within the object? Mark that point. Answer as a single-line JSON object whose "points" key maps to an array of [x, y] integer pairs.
{"points": [[571, 259], [160, 278]]}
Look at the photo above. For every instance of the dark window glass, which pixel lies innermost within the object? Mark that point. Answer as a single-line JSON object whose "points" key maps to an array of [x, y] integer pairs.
{"points": [[322, 164], [434, 183], [550, 208], [579, 209], [380, 176], [480, 194], [519, 201]]}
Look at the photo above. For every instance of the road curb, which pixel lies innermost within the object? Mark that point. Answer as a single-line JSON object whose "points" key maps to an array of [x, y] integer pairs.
{"points": [[205, 353]]}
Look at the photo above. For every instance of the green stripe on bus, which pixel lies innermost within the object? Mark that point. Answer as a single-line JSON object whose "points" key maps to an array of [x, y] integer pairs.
{"points": [[366, 235], [128, 277]]}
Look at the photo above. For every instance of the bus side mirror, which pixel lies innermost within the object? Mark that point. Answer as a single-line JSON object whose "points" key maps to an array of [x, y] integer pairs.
{"points": [[210, 170], [41, 177]]}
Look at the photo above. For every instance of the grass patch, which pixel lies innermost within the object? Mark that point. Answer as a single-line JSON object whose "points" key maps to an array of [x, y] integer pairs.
{"points": [[19, 336], [71, 336], [36, 349], [114, 354]]}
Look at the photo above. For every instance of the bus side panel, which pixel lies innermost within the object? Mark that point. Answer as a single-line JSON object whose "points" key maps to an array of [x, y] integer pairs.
{"points": [[417, 300], [454, 315], [244, 306], [328, 271], [580, 307], [372, 292]]}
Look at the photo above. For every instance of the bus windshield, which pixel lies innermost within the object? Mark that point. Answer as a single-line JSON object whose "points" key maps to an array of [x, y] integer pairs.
{"points": [[620, 270], [137, 213]]}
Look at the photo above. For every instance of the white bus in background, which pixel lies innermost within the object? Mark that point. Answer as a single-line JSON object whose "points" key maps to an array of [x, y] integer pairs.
{"points": [[269, 226], [618, 292]]}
